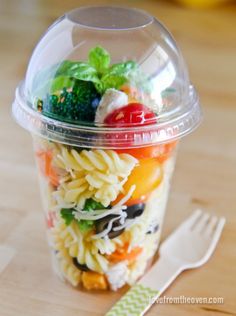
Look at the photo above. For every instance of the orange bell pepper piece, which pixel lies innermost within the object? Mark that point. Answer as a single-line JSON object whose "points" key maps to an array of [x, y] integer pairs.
{"points": [[122, 254]]}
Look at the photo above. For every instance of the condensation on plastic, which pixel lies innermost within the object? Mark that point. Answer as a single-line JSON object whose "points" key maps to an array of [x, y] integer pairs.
{"points": [[127, 34]]}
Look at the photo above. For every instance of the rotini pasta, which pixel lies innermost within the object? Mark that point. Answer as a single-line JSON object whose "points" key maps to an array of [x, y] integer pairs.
{"points": [[96, 173], [66, 266], [70, 272], [71, 243], [117, 246], [137, 268]]}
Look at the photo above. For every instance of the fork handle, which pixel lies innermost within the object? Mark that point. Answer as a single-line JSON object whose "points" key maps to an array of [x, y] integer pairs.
{"points": [[142, 295], [162, 274]]}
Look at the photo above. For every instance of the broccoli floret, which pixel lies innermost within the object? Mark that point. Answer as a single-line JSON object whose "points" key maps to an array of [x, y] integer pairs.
{"points": [[78, 104]]}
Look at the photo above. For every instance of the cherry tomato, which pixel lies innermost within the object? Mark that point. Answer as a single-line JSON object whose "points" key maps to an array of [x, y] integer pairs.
{"points": [[128, 115], [161, 152], [133, 114], [146, 177]]}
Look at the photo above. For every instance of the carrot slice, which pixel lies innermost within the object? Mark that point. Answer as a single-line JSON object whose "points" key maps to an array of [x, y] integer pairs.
{"points": [[50, 218], [162, 152], [45, 165], [122, 254]]}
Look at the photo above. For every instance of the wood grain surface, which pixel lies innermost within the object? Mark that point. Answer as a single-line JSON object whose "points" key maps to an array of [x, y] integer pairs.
{"points": [[205, 173]]}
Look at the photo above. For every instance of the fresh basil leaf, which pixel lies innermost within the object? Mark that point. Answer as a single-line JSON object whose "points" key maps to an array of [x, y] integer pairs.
{"points": [[77, 70], [64, 67], [52, 72], [67, 215], [54, 85], [61, 82], [99, 58], [83, 71], [44, 79], [113, 81], [122, 69], [117, 75]]}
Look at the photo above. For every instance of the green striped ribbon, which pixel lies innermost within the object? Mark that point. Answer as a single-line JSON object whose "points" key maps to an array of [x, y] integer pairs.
{"points": [[135, 302]]}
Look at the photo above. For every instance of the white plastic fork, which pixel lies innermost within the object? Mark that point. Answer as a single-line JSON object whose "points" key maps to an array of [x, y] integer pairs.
{"points": [[189, 246]]}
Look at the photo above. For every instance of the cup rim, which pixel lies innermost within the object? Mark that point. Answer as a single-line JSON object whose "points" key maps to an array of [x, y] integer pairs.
{"points": [[107, 137]]}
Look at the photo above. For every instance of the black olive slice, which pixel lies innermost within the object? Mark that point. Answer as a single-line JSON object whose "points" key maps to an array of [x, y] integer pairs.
{"points": [[135, 210], [102, 224], [153, 230], [82, 267], [115, 233]]}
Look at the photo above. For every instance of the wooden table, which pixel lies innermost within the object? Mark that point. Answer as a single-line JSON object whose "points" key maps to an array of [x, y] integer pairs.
{"points": [[205, 173]]}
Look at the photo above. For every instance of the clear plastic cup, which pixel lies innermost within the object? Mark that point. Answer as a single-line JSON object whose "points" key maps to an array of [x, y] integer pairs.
{"points": [[106, 98]]}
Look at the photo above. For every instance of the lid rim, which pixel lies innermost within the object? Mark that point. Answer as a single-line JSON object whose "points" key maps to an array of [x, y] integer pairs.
{"points": [[79, 135]]}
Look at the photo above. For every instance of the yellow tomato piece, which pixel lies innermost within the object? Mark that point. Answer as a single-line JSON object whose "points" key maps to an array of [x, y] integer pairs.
{"points": [[146, 176]]}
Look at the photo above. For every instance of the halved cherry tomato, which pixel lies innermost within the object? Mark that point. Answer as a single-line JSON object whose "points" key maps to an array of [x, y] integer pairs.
{"points": [[131, 114], [45, 165], [146, 177], [161, 152], [123, 254]]}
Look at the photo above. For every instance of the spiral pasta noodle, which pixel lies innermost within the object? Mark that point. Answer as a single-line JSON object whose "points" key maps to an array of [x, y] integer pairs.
{"points": [[99, 245], [70, 272], [71, 243], [137, 268], [66, 266], [95, 173]]}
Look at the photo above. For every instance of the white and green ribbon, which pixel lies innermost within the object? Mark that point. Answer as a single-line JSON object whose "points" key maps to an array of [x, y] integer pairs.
{"points": [[135, 302]]}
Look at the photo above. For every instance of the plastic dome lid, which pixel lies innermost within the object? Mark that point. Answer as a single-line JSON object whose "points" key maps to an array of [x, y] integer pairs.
{"points": [[107, 77]]}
